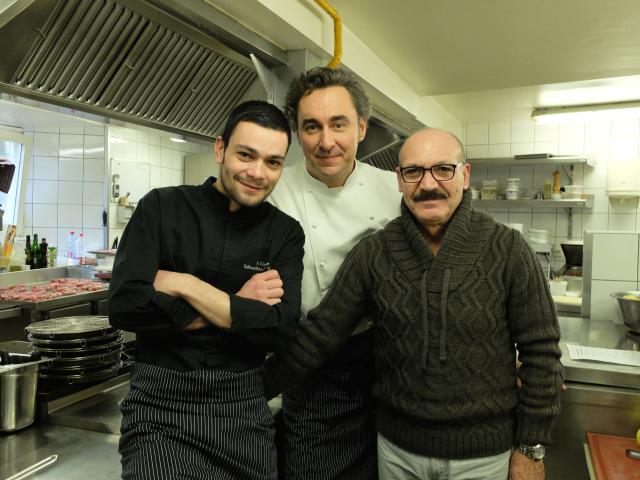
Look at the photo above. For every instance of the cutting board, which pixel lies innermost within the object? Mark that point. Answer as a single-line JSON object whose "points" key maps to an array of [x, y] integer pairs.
{"points": [[609, 459]]}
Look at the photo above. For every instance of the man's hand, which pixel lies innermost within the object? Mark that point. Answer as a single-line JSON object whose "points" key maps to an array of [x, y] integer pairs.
{"points": [[522, 467], [198, 324], [265, 287]]}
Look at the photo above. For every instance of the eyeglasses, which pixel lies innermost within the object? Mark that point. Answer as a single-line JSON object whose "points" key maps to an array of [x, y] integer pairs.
{"points": [[440, 173]]}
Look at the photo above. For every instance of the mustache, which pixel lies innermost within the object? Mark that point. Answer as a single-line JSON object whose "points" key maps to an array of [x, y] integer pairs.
{"points": [[422, 195], [332, 152]]}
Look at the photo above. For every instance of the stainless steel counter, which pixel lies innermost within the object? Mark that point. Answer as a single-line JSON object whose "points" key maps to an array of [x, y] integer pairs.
{"points": [[100, 412], [601, 397], [81, 454], [601, 334]]}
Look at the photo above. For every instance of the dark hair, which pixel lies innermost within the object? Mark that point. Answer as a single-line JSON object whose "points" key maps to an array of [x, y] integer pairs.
{"points": [[259, 112], [323, 77]]}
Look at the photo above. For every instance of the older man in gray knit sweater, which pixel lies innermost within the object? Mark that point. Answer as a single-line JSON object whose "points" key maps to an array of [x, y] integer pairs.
{"points": [[453, 293]]}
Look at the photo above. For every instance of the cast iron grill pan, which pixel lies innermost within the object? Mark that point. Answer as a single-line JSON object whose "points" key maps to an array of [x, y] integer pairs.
{"points": [[69, 328]]}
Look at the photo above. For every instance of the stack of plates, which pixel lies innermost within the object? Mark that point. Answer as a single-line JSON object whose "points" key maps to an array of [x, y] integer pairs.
{"points": [[82, 349]]}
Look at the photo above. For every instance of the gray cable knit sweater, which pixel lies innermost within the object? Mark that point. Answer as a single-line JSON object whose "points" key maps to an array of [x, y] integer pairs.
{"points": [[445, 328]]}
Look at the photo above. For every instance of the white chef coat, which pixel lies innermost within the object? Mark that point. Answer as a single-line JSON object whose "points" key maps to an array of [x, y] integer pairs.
{"points": [[334, 219]]}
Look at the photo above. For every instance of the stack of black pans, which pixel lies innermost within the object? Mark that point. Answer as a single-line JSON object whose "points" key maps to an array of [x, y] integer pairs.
{"points": [[83, 349]]}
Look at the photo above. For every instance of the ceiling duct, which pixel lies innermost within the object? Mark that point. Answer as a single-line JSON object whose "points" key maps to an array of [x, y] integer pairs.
{"points": [[123, 59]]}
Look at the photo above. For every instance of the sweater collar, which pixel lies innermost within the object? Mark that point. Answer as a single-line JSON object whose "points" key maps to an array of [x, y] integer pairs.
{"points": [[458, 253]]}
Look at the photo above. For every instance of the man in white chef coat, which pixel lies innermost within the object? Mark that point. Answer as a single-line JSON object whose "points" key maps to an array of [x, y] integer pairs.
{"points": [[328, 427]]}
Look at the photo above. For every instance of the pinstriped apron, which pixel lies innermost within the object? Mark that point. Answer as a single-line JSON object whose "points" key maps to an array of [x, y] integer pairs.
{"points": [[202, 424], [328, 424]]}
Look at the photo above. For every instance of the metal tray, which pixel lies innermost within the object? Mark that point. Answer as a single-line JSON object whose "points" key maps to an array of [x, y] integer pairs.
{"points": [[99, 359], [78, 369], [71, 327], [74, 342], [84, 377], [82, 352], [83, 297]]}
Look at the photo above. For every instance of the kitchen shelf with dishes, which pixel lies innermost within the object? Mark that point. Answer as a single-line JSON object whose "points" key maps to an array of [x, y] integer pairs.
{"points": [[533, 159], [585, 202], [573, 195]]}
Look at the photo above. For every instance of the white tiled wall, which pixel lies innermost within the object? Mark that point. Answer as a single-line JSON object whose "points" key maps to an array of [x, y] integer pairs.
{"points": [[66, 185], [601, 139], [164, 157], [612, 264]]}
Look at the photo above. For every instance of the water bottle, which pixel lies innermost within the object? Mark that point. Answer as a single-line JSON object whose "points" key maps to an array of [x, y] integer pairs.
{"points": [[71, 248], [80, 251]]}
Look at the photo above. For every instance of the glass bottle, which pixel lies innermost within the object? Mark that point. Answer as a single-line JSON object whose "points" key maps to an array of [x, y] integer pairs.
{"points": [[43, 253], [27, 252], [53, 254], [35, 252]]}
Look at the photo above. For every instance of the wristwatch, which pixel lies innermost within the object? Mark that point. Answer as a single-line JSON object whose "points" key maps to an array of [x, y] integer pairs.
{"points": [[534, 452]]}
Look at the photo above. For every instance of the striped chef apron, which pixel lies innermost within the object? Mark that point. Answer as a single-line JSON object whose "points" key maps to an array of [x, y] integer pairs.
{"points": [[327, 426], [201, 424]]}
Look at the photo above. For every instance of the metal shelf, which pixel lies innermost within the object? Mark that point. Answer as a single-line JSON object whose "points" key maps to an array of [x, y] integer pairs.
{"points": [[585, 202], [511, 161]]}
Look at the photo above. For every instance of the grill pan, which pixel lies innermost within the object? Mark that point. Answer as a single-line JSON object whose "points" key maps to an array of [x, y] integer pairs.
{"points": [[102, 359], [97, 376], [78, 369], [58, 352], [74, 342], [70, 328], [82, 349]]}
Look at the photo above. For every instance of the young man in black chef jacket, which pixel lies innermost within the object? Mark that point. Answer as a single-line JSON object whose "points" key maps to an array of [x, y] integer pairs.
{"points": [[209, 278]]}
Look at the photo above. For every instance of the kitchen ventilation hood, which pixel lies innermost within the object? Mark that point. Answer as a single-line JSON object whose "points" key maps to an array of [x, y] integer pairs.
{"points": [[381, 145], [124, 59]]}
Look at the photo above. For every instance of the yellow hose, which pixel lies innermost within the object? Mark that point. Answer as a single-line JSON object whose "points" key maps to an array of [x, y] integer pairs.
{"points": [[337, 32]]}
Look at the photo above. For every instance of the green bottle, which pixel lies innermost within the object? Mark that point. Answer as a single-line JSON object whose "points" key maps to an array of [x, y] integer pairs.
{"points": [[35, 252]]}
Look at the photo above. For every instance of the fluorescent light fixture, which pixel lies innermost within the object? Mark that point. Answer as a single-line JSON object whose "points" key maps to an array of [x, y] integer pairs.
{"points": [[177, 139], [581, 113]]}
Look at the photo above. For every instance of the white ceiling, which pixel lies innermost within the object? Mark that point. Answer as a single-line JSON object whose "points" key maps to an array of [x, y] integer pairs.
{"points": [[27, 117], [487, 60]]}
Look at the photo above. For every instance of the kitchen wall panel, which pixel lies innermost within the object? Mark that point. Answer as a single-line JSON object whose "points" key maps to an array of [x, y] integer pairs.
{"points": [[499, 133], [70, 216], [44, 168], [94, 170], [164, 158], [615, 257], [66, 184], [70, 168], [45, 191], [603, 306], [601, 139], [46, 144]]}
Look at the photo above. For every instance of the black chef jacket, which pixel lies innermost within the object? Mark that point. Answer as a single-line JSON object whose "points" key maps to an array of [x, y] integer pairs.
{"points": [[190, 229]]}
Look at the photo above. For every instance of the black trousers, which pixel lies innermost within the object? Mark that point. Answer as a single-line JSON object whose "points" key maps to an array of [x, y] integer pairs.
{"points": [[327, 429], [204, 424]]}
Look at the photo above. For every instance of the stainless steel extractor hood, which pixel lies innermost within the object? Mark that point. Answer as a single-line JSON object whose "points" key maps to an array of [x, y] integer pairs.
{"points": [[124, 59], [381, 145]]}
